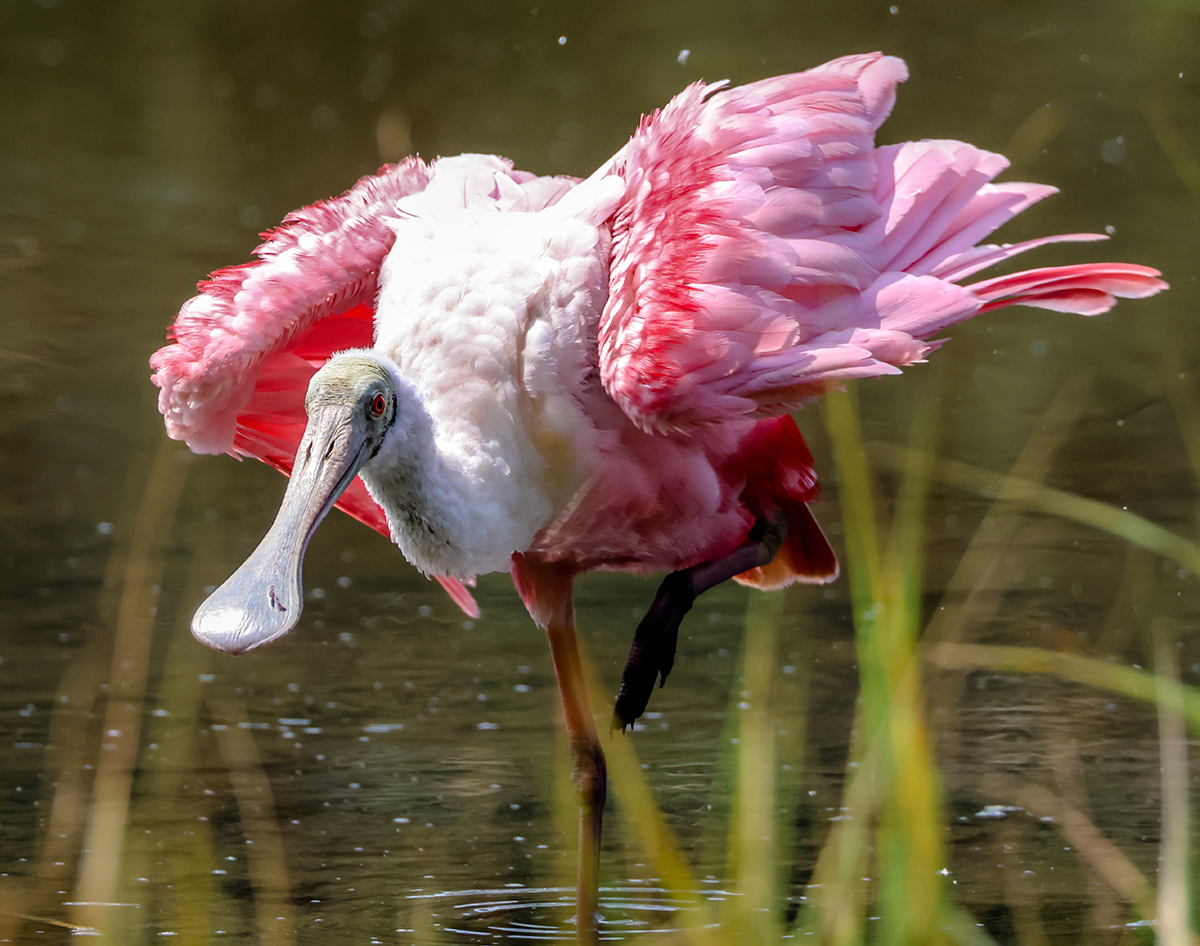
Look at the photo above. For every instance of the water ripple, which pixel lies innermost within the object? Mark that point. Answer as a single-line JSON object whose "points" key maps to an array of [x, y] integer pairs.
{"points": [[543, 914]]}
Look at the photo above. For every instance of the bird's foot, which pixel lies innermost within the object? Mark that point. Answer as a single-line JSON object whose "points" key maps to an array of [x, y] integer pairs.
{"points": [[653, 652]]}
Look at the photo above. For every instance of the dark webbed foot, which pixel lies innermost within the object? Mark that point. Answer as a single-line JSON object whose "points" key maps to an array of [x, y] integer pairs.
{"points": [[653, 652]]}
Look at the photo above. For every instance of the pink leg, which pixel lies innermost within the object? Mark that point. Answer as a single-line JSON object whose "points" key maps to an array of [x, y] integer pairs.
{"points": [[546, 590], [653, 652]]}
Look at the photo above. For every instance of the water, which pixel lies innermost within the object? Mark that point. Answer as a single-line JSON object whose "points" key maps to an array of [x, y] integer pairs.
{"points": [[393, 772]]}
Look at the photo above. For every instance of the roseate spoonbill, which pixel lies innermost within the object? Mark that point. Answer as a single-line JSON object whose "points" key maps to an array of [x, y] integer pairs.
{"points": [[542, 375]]}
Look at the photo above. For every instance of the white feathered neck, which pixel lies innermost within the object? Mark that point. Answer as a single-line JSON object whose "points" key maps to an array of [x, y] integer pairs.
{"points": [[488, 321]]}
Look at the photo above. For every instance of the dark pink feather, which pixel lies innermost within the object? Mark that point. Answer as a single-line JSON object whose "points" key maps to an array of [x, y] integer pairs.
{"points": [[764, 251], [773, 198]]}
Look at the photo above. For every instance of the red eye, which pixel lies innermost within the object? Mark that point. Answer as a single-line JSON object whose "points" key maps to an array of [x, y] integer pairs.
{"points": [[378, 405]]}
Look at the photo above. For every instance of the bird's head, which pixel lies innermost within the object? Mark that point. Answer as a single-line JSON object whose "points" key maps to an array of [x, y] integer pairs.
{"points": [[351, 406], [353, 394]]}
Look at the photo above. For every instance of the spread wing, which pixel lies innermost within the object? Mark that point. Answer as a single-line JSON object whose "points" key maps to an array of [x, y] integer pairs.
{"points": [[243, 350], [766, 250]]}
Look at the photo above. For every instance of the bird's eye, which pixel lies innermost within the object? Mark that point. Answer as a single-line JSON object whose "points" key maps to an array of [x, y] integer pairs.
{"points": [[378, 405]]}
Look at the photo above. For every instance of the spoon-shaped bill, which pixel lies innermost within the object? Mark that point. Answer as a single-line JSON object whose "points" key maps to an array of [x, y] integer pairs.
{"points": [[262, 600]]}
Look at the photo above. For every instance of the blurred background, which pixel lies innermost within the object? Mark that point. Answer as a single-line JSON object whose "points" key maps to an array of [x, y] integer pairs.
{"points": [[392, 772]]}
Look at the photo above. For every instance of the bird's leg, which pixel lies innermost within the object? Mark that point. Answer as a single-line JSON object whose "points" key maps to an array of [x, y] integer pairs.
{"points": [[546, 590], [653, 652]]}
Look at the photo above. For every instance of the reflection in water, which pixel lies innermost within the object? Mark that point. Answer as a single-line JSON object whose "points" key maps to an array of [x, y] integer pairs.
{"points": [[399, 753]]}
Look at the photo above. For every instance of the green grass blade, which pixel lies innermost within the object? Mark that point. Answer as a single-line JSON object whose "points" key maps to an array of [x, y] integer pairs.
{"points": [[1056, 502], [1128, 681], [904, 785], [754, 916]]}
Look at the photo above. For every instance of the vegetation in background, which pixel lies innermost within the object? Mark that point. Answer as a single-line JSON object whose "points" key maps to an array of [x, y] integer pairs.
{"points": [[136, 740], [884, 871]]}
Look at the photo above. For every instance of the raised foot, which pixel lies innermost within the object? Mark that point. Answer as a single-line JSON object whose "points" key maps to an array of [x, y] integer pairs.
{"points": [[653, 652]]}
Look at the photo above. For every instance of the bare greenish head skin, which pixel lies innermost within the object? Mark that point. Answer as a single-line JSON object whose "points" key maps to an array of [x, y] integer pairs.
{"points": [[351, 403], [354, 380]]}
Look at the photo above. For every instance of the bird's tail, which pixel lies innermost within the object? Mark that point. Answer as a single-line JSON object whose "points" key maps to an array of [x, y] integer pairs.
{"points": [[1087, 288], [780, 478]]}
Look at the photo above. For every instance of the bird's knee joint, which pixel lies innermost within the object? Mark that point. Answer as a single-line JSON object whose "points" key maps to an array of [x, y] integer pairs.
{"points": [[591, 774]]}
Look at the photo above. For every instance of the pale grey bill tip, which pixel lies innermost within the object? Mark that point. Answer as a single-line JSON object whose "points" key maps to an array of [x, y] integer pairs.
{"points": [[262, 600], [242, 615]]}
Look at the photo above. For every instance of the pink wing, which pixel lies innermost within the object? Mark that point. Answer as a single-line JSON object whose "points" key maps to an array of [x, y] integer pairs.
{"points": [[234, 378], [766, 250]]}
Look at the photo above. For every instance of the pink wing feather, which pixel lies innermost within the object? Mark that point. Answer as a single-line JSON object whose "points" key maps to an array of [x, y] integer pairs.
{"points": [[766, 250], [323, 260], [234, 378]]}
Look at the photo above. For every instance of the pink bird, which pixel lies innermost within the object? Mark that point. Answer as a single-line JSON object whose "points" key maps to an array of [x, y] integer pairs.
{"points": [[541, 375]]}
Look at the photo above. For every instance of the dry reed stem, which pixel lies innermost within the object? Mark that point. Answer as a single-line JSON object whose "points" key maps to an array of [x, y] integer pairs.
{"points": [[266, 856], [104, 837], [1081, 833], [174, 731], [70, 755], [1174, 890], [969, 597], [1174, 897], [72, 744]]}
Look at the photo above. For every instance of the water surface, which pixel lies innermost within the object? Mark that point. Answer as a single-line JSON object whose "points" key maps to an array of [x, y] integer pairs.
{"points": [[393, 772]]}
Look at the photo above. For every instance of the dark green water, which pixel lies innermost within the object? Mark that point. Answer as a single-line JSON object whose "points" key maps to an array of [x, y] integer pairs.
{"points": [[405, 765]]}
